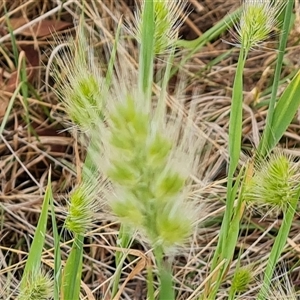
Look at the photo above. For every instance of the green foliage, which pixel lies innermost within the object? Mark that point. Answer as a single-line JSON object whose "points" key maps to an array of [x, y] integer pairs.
{"points": [[283, 115], [256, 23], [71, 277], [289, 102], [35, 284]]}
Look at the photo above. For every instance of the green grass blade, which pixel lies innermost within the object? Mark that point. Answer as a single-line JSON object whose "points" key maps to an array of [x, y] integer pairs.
{"points": [[166, 290], [150, 284], [24, 90], [264, 146], [211, 34], [35, 254], [228, 239], [57, 252], [71, 278], [23, 72], [235, 136], [284, 113], [146, 54], [124, 242], [236, 114], [9, 107], [12, 38], [166, 284], [278, 246], [112, 59]]}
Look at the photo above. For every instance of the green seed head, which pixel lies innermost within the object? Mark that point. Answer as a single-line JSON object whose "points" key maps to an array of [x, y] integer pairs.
{"points": [[80, 85], [129, 210], [167, 19], [129, 121], [158, 150], [82, 207], [124, 173], [258, 20], [37, 286], [174, 224], [169, 184], [241, 280], [83, 100], [148, 161], [275, 183]]}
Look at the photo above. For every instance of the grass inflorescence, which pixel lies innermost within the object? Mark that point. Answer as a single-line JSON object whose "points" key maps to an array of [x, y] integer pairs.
{"points": [[162, 191]]}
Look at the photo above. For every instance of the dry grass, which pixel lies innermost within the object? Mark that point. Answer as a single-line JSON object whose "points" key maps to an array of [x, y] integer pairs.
{"points": [[27, 152]]}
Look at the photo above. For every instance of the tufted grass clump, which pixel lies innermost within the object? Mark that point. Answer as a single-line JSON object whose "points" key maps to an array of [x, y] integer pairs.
{"points": [[146, 154], [259, 19]]}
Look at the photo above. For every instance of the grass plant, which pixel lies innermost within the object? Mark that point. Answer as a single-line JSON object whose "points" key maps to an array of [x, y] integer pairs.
{"points": [[144, 162]]}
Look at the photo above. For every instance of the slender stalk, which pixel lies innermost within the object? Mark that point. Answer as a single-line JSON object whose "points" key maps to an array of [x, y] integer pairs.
{"points": [[235, 132], [147, 52], [72, 271], [150, 285], [235, 136], [165, 276], [278, 246], [124, 241]]}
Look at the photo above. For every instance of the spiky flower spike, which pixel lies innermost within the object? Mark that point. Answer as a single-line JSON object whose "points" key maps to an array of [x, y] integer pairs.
{"points": [[275, 183], [38, 286], [259, 18], [241, 281], [79, 82], [168, 18], [84, 203], [149, 160]]}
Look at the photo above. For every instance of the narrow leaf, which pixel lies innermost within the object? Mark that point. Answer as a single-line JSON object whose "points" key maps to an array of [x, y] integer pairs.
{"points": [[72, 271], [284, 112], [35, 254], [57, 252]]}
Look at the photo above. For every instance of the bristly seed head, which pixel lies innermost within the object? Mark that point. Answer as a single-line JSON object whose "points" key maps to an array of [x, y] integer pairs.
{"points": [[258, 20], [241, 280], [167, 18], [275, 183], [149, 167], [83, 205], [37, 286], [80, 84]]}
